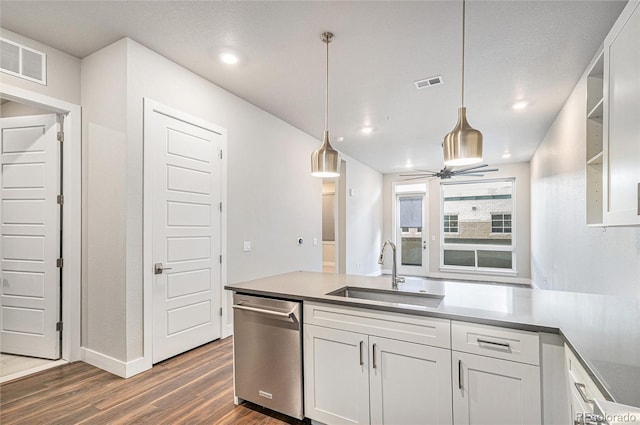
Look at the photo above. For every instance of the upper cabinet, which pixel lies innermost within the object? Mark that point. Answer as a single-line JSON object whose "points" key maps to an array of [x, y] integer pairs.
{"points": [[618, 131]]}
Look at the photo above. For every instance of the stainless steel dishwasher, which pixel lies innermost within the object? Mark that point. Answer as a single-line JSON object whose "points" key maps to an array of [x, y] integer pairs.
{"points": [[267, 353]]}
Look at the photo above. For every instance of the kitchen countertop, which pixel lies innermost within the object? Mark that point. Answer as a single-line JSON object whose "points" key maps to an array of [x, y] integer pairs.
{"points": [[604, 331]]}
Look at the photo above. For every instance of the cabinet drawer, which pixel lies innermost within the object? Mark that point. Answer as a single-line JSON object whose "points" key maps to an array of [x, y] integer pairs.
{"points": [[580, 382], [403, 327], [492, 341]]}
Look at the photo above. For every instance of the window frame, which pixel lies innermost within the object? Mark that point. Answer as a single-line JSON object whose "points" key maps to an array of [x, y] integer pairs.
{"points": [[513, 271]]}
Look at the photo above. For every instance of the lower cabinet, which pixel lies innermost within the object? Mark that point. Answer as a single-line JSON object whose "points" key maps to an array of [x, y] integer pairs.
{"points": [[409, 383], [354, 378], [492, 391]]}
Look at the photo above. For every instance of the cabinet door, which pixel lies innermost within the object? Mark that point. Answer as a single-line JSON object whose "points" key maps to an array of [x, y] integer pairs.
{"points": [[622, 155], [409, 383], [488, 391], [336, 376]]}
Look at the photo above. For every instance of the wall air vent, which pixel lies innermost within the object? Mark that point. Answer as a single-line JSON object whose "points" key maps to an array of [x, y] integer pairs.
{"points": [[428, 82], [23, 62]]}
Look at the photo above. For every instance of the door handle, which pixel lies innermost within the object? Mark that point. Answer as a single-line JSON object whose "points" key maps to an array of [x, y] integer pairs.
{"points": [[459, 374], [361, 354], [158, 268], [424, 244]]}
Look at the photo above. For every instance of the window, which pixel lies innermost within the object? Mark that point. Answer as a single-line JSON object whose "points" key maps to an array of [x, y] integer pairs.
{"points": [[451, 223], [477, 222], [500, 223]]}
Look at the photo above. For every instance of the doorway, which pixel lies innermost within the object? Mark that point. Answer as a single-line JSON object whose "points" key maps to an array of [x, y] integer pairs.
{"points": [[334, 230], [40, 291], [411, 228]]}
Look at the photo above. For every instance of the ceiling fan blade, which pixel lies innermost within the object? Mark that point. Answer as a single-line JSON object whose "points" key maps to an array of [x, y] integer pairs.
{"points": [[475, 167], [427, 171], [468, 175], [415, 178], [416, 175]]}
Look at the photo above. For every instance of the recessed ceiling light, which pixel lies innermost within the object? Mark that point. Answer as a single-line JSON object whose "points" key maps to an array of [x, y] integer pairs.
{"points": [[520, 105], [408, 165], [340, 139], [229, 58], [506, 155], [366, 130]]}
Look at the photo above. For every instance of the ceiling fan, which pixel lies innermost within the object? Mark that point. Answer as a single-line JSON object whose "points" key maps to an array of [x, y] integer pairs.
{"points": [[447, 172]]}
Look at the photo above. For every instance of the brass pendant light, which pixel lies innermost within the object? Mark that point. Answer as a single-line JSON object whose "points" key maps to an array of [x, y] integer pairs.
{"points": [[463, 145], [325, 161]]}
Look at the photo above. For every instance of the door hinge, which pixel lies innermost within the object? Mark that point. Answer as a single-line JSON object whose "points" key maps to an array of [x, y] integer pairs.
{"points": [[60, 136], [220, 311], [59, 326], [220, 153], [60, 199], [220, 258], [59, 263], [220, 206]]}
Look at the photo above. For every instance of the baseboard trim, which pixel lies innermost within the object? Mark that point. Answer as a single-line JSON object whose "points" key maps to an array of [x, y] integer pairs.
{"points": [[114, 366]]}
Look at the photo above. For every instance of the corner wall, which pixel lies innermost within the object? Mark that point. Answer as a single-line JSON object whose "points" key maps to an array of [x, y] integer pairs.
{"points": [[566, 254]]}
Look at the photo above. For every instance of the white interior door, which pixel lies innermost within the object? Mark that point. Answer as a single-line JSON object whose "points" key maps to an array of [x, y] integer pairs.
{"points": [[30, 182], [412, 233], [186, 234]]}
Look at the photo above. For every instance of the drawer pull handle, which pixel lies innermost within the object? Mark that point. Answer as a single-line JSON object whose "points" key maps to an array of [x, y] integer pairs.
{"points": [[459, 374], [498, 344], [581, 390], [361, 356], [374, 356]]}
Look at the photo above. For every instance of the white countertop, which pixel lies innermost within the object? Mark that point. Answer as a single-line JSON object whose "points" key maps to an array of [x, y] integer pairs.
{"points": [[603, 330]]}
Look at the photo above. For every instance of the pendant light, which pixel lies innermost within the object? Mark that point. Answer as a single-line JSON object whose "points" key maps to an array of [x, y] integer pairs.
{"points": [[463, 145], [325, 161]]}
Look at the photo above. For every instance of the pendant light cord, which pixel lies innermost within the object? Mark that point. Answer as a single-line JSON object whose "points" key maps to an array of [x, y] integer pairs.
{"points": [[463, 25], [326, 94]]}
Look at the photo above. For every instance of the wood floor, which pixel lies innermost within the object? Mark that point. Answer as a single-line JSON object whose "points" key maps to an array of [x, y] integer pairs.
{"points": [[194, 388]]}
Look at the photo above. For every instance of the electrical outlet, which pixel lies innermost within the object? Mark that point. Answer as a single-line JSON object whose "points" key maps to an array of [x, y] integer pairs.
{"points": [[246, 246]]}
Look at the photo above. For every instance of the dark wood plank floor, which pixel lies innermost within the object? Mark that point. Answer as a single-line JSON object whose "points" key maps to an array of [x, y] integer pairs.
{"points": [[195, 388]]}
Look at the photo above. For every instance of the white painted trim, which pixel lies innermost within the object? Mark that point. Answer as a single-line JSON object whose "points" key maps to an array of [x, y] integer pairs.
{"points": [[114, 366], [72, 219], [32, 370], [226, 329], [481, 278]]}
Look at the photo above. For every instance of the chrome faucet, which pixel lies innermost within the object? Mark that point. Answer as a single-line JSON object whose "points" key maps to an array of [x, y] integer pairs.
{"points": [[395, 279]]}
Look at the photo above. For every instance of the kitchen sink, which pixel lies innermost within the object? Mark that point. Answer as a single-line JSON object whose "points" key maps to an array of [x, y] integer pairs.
{"points": [[390, 296]]}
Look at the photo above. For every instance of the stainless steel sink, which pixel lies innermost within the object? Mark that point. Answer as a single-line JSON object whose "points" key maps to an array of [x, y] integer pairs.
{"points": [[390, 296]]}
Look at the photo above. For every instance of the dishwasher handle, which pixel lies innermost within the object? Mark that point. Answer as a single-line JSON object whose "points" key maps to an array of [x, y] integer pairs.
{"points": [[289, 315]]}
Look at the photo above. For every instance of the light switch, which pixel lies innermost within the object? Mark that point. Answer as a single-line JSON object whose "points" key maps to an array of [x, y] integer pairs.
{"points": [[315, 241], [246, 246]]}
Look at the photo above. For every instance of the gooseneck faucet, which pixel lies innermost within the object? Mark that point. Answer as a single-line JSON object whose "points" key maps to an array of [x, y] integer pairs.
{"points": [[395, 279]]}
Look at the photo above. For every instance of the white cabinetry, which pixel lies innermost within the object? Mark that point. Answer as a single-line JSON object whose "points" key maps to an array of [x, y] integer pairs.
{"points": [[622, 156], [355, 373], [581, 388], [621, 126], [496, 375]]}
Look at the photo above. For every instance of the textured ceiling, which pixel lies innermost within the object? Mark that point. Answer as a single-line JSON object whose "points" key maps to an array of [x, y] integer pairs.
{"points": [[531, 50]]}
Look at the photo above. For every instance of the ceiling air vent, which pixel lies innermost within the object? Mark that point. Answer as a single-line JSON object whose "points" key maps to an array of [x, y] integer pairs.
{"points": [[428, 82], [22, 61]]}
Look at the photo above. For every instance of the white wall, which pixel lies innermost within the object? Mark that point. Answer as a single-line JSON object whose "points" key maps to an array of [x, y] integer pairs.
{"points": [[522, 196], [104, 230], [565, 253], [363, 218], [63, 71]]}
